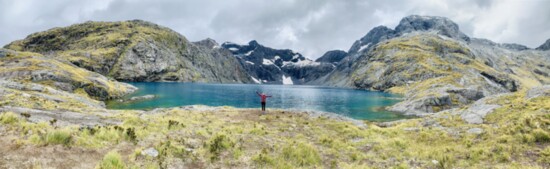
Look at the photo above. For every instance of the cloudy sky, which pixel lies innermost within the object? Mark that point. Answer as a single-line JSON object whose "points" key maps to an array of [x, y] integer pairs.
{"points": [[310, 27]]}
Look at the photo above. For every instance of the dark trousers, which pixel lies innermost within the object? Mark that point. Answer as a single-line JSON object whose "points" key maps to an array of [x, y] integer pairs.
{"points": [[263, 106]]}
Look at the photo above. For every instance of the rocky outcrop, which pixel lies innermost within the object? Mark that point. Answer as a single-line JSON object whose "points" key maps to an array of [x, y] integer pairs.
{"points": [[6, 52], [333, 56], [441, 25], [542, 91], [514, 46], [61, 75], [61, 118], [374, 36], [544, 46], [502, 80], [276, 66], [135, 51]]}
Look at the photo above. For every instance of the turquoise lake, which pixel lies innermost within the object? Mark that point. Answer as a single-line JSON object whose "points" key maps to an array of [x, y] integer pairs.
{"points": [[357, 104]]}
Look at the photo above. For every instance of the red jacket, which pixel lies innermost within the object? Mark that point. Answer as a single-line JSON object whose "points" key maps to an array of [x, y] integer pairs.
{"points": [[263, 96]]}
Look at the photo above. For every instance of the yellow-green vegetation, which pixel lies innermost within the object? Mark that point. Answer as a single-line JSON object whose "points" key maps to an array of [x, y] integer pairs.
{"points": [[112, 160], [423, 61], [97, 46], [8, 118], [516, 135], [418, 59], [54, 72]]}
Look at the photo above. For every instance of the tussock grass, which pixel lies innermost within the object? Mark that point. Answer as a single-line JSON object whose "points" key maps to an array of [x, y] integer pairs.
{"points": [[9, 118], [112, 160], [62, 137]]}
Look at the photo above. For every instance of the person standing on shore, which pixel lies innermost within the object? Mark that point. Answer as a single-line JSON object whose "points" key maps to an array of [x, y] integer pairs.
{"points": [[263, 97]]}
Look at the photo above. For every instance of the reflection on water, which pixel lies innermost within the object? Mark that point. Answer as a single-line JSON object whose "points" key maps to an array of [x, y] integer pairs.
{"points": [[357, 104]]}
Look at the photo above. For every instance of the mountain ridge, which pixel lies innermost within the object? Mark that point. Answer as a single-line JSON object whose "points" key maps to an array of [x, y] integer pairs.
{"points": [[276, 66], [133, 50]]}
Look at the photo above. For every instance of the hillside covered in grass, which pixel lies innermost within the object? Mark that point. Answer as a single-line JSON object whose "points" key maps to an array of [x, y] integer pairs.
{"points": [[436, 66], [135, 51]]}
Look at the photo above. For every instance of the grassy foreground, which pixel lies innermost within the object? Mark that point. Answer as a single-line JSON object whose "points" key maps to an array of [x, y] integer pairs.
{"points": [[516, 135]]}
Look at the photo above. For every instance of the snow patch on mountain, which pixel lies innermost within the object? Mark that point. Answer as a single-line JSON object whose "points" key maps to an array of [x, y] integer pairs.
{"points": [[255, 80], [249, 62], [364, 47], [287, 80], [302, 63], [267, 62]]}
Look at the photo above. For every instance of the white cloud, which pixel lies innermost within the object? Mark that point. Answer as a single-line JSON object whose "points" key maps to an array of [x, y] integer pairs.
{"points": [[310, 27]]}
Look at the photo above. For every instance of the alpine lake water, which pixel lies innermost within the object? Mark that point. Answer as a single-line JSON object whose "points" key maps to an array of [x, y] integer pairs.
{"points": [[357, 104]]}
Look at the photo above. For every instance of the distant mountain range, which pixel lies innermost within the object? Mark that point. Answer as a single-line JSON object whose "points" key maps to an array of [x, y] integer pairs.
{"points": [[425, 58]]}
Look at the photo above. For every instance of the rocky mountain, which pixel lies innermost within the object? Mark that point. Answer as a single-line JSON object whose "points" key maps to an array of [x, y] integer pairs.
{"points": [[333, 56], [135, 51], [276, 66], [545, 45], [435, 66]]}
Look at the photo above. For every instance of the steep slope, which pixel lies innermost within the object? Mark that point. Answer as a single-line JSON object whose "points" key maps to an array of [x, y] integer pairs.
{"points": [[134, 51], [333, 56], [276, 66], [436, 66], [545, 45]]}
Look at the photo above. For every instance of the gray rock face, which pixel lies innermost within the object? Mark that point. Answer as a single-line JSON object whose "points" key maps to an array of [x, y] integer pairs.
{"points": [[423, 106], [442, 25], [374, 36], [466, 95], [514, 46], [509, 46], [475, 114], [208, 43], [6, 52], [333, 56], [61, 118], [544, 46], [542, 91], [276, 66], [503, 81]]}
